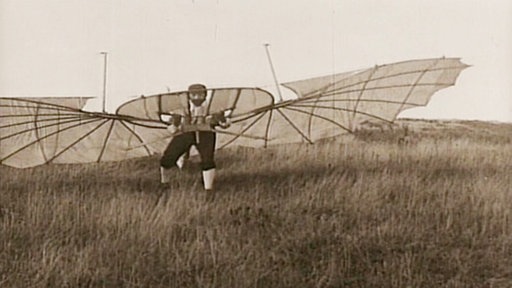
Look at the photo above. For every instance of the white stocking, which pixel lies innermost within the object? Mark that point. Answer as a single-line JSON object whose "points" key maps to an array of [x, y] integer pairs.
{"points": [[208, 178]]}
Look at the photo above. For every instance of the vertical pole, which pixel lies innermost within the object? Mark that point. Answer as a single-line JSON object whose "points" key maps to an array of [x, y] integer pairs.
{"points": [[273, 72], [105, 54]]}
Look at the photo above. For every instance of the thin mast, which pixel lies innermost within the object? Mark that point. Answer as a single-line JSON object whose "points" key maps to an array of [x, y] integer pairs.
{"points": [[105, 54], [273, 71]]}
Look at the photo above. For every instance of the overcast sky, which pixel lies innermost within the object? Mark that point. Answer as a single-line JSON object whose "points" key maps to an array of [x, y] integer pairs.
{"points": [[52, 47]]}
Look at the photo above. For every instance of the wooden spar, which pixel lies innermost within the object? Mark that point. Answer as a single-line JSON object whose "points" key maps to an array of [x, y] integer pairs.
{"points": [[273, 72], [105, 54]]}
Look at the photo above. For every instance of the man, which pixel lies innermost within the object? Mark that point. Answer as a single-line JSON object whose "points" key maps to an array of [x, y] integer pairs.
{"points": [[194, 126]]}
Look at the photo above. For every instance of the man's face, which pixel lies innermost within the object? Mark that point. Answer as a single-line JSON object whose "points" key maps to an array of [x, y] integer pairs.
{"points": [[197, 97]]}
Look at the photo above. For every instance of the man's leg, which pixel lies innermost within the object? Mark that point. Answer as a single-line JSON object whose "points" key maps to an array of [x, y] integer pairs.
{"points": [[179, 145], [183, 159], [206, 148]]}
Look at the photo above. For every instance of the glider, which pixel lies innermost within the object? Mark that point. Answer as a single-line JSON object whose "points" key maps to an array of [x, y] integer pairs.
{"points": [[36, 131]]}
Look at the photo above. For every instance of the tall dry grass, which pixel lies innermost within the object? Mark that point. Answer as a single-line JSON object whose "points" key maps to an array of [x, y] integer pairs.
{"points": [[363, 213]]}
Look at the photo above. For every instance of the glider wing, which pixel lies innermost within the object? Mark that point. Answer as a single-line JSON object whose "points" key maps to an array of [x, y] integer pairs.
{"points": [[249, 111], [331, 105], [35, 131]]}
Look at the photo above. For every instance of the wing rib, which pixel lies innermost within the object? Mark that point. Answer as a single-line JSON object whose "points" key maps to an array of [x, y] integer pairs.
{"points": [[46, 136], [324, 90], [243, 131], [36, 130], [145, 107], [414, 86], [362, 92], [40, 120], [338, 92], [320, 117], [363, 100], [107, 136], [136, 136], [78, 140], [345, 109], [57, 106], [30, 115], [267, 128], [51, 108], [239, 135], [40, 127], [293, 125]]}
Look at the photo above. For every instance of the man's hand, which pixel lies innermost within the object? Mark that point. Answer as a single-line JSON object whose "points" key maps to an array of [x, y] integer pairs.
{"points": [[225, 124], [172, 128], [171, 119], [218, 119]]}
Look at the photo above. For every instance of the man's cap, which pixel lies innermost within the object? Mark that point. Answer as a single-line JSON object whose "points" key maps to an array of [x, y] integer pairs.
{"points": [[196, 88]]}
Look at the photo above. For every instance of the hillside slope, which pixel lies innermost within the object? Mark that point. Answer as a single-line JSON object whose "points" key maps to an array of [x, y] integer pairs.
{"points": [[423, 206]]}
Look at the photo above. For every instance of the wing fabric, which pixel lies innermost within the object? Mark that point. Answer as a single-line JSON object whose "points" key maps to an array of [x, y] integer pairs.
{"points": [[250, 113], [35, 131], [332, 105], [325, 106]]}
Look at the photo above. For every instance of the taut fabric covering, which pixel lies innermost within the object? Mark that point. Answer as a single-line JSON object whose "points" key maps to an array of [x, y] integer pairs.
{"points": [[55, 130]]}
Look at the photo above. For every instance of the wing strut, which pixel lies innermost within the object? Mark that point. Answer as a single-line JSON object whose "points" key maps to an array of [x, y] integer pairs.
{"points": [[105, 55], [273, 72]]}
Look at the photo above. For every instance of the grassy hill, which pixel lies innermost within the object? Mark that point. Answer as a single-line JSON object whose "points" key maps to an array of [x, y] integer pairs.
{"points": [[416, 204]]}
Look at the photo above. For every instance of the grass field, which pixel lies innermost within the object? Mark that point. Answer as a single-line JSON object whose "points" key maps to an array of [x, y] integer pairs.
{"points": [[433, 211]]}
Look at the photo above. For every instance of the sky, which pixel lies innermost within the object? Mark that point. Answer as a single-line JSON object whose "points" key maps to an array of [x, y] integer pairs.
{"points": [[53, 47]]}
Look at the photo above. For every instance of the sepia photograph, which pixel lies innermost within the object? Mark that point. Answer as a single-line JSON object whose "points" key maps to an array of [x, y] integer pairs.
{"points": [[225, 143]]}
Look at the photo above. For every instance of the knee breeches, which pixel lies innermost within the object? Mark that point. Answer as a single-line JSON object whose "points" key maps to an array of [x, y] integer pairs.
{"points": [[180, 144]]}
